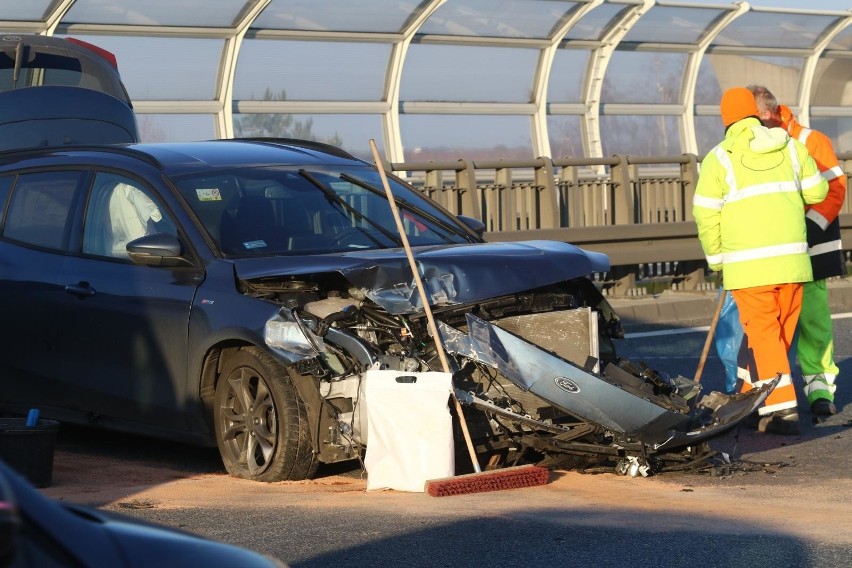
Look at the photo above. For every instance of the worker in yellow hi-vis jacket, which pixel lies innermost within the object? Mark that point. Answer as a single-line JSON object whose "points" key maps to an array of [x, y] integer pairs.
{"points": [[749, 209]]}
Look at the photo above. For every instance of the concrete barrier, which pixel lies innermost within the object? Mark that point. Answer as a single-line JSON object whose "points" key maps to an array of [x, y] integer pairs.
{"points": [[696, 308]]}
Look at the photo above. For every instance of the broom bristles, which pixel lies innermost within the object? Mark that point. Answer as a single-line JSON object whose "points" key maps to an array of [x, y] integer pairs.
{"points": [[496, 480]]}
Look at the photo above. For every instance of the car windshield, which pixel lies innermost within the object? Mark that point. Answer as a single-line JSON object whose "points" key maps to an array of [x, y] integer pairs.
{"points": [[293, 211]]}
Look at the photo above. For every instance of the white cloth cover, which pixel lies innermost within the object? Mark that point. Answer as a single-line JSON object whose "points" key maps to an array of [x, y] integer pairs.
{"points": [[409, 429]]}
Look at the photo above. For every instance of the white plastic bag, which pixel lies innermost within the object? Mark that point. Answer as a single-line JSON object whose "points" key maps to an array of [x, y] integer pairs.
{"points": [[409, 429]]}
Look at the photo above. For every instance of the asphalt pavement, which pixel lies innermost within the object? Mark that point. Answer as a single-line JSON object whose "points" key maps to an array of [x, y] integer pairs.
{"points": [[783, 502]]}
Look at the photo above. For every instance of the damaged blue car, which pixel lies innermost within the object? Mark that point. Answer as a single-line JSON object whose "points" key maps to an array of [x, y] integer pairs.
{"points": [[237, 293]]}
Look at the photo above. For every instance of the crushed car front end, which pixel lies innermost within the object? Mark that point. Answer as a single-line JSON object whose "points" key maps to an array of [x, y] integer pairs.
{"points": [[531, 344], [529, 335]]}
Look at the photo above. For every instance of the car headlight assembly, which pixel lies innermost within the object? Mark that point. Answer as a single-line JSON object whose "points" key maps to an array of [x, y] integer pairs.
{"points": [[285, 331]]}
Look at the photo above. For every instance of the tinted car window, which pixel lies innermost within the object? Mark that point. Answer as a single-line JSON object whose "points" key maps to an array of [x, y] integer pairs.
{"points": [[266, 211], [5, 185], [44, 69], [35, 60], [40, 209], [121, 209]]}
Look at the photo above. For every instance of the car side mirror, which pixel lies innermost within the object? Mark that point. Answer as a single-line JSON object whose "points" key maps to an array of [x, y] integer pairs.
{"points": [[474, 225], [158, 249]]}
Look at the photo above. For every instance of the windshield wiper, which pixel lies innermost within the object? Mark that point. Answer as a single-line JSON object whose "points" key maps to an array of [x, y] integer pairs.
{"points": [[19, 57], [336, 199], [408, 206]]}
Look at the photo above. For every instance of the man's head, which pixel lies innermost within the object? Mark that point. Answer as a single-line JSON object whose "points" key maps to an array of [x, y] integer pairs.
{"points": [[767, 106], [737, 103]]}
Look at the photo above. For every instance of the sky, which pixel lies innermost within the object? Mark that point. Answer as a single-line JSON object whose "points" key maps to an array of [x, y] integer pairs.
{"points": [[811, 4], [833, 5]]}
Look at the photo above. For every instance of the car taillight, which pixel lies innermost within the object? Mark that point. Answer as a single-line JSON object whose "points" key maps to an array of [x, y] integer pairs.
{"points": [[99, 50]]}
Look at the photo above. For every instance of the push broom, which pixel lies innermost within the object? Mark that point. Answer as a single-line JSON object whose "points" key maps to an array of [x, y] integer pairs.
{"points": [[479, 481], [709, 340]]}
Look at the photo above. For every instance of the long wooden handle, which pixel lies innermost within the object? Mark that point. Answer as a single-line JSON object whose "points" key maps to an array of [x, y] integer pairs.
{"points": [[709, 340], [433, 330]]}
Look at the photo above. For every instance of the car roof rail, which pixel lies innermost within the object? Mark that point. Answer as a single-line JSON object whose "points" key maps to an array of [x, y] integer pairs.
{"points": [[114, 149], [309, 144]]}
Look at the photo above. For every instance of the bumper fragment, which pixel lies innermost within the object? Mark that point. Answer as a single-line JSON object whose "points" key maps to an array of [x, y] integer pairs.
{"points": [[597, 397]]}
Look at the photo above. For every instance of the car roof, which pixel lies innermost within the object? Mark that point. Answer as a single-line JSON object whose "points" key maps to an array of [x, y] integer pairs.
{"points": [[177, 158], [185, 157]]}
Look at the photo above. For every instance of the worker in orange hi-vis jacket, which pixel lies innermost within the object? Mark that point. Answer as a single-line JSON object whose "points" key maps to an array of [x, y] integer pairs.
{"points": [[815, 349]]}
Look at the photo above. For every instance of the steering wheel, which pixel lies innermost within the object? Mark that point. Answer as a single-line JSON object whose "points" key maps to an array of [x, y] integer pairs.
{"points": [[352, 236]]}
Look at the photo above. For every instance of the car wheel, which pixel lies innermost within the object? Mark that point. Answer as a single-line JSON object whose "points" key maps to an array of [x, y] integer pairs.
{"points": [[261, 423]]}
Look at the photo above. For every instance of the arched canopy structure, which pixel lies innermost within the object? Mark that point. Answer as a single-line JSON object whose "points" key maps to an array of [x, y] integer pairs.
{"points": [[435, 79]]}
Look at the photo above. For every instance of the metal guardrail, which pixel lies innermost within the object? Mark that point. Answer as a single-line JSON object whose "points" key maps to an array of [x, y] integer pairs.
{"points": [[637, 210]]}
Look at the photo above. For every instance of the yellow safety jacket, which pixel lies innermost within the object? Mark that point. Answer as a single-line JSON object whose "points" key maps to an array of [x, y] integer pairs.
{"points": [[749, 206]]}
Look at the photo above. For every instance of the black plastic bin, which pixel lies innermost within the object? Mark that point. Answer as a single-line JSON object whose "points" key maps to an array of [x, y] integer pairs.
{"points": [[29, 449]]}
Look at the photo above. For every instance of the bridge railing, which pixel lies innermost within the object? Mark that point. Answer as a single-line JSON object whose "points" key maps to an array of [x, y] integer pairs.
{"points": [[636, 209]]}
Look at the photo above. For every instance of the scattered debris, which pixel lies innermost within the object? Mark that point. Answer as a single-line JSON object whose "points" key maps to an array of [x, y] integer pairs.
{"points": [[138, 504]]}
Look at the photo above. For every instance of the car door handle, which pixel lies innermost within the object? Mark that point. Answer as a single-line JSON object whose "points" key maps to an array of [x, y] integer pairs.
{"points": [[81, 289]]}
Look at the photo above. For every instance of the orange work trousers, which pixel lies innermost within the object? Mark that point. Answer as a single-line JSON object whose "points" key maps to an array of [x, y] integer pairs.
{"points": [[769, 315]]}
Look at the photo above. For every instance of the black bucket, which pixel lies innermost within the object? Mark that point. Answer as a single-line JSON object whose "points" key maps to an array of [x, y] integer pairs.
{"points": [[29, 449]]}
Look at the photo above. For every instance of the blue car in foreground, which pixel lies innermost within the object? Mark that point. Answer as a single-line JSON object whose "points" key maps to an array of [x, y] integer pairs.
{"points": [[37, 532]]}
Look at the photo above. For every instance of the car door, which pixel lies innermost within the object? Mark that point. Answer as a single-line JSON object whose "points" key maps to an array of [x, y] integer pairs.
{"points": [[127, 334], [36, 234]]}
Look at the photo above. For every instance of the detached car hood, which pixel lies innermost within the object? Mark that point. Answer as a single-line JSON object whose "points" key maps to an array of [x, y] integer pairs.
{"points": [[453, 274]]}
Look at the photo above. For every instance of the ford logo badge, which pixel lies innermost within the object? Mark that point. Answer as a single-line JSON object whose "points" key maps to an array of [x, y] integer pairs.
{"points": [[566, 384]]}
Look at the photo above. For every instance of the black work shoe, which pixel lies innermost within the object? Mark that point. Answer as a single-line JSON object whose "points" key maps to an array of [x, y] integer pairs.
{"points": [[784, 423], [823, 407]]}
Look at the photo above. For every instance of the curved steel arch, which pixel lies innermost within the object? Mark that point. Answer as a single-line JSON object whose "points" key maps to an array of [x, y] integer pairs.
{"points": [[806, 85], [225, 92], [390, 106], [541, 138], [596, 72], [393, 135], [52, 20], [691, 80]]}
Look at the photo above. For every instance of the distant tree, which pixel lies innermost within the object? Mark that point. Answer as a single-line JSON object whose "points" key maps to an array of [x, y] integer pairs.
{"points": [[149, 130], [565, 137], [637, 134], [279, 125]]}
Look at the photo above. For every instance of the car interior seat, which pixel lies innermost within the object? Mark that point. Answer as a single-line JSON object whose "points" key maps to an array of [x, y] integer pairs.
{"points": [[249, 226]]}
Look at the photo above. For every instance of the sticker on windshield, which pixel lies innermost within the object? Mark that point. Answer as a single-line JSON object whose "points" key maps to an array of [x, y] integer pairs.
{"points": [[254, 244], [208, 194]]}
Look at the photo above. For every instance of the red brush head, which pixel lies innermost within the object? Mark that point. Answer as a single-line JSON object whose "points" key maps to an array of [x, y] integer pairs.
{"points": [[497, 480]]}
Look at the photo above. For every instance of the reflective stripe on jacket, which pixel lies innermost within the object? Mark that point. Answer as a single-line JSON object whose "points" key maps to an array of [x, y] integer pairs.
{"points": [[749, 206], [824, 244]]}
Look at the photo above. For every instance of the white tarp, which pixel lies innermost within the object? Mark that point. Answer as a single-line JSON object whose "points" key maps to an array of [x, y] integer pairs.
{"points": [[409, 429]]}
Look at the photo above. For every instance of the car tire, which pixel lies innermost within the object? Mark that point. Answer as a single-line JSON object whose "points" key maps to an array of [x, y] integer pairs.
{"points": [[261, 423]]}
